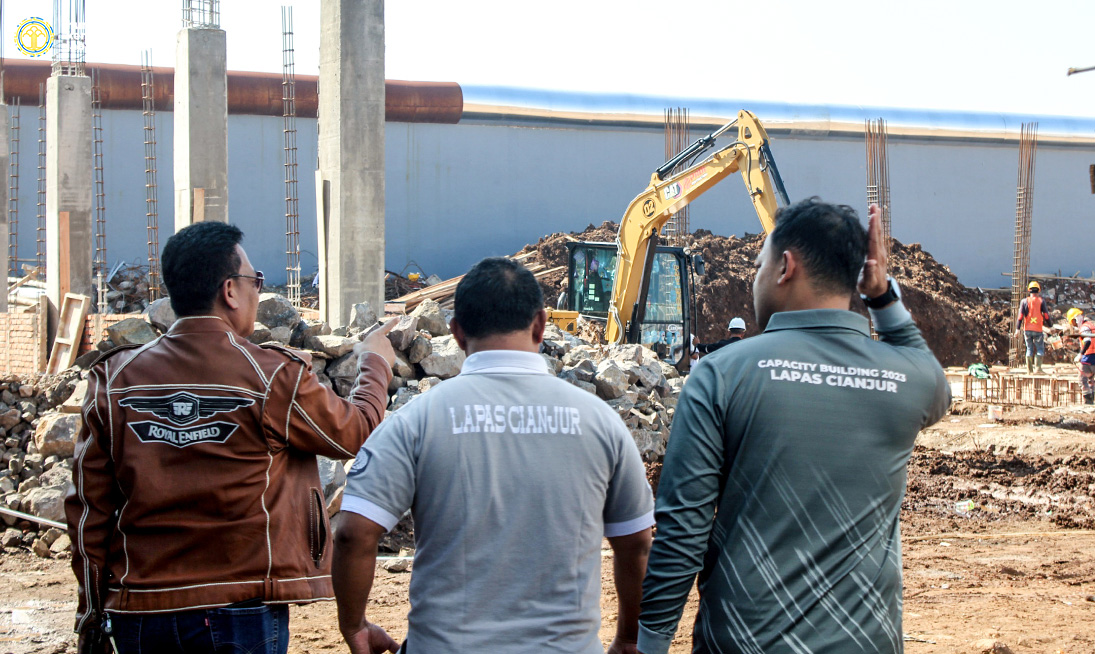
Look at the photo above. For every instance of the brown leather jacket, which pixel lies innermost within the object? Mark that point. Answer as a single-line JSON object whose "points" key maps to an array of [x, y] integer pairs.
{"points": [[195, 481]]}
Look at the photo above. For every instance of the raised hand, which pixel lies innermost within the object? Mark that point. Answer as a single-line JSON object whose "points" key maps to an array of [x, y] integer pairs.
{"points": [[873, 283]]}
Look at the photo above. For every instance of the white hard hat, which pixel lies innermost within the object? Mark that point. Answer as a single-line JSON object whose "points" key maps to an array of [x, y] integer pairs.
{"points": [[737, 323]]}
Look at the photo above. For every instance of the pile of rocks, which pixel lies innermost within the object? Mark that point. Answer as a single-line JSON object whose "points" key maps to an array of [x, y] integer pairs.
{"points": [[36, 453], [127, 290], [38, 442]]}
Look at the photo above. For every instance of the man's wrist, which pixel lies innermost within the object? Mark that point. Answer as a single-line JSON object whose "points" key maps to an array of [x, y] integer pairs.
{"points": [[884, 299]]}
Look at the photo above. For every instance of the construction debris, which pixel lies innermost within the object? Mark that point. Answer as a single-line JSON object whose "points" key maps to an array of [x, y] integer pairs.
{"points": [[126, 289]]}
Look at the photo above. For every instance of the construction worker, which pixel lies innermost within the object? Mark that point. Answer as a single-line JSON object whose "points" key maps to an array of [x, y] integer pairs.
{"points": [[1032, 315], [737, 333], [1086, 358]]}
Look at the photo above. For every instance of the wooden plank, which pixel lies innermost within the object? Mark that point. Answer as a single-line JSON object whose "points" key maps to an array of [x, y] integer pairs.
{"points": [[198, 214], [41, 336], [70, 330], [64, 249], [30, 275], [441, 292]]}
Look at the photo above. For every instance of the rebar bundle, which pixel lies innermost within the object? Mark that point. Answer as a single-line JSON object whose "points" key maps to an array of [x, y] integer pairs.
{"points": [[13, 192], [289, 113], [150, 185], [1024, 208], [677, 138], [99, 261], [40, 251], [878, 172], [201, 13], [69, 44]]}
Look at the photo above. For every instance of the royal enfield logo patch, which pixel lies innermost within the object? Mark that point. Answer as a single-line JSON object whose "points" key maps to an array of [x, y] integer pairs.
{"points": [[184, 408], [154, 432]]}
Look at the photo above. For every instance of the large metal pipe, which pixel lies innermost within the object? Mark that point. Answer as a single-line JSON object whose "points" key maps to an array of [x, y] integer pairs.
{"points": [[248, 93]]}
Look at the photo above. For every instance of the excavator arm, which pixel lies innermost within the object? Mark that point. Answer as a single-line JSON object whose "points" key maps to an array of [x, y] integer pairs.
{"points": [[668, 193]]}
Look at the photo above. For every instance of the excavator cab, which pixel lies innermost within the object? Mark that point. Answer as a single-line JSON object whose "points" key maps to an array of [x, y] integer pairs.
{"points": [[591, 271]]}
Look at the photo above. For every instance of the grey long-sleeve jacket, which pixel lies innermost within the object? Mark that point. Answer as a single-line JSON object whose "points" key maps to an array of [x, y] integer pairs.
{"points": [[782, 483]]}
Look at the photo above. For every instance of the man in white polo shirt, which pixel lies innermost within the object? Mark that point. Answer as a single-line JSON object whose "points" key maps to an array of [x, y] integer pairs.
{"points": [[513, 477]]}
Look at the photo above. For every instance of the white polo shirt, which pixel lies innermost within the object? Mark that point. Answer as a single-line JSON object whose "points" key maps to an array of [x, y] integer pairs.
{"points": [[513, 476]]}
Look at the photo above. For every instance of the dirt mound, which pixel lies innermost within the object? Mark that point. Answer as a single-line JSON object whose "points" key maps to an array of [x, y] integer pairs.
{"points": [[962, 325]]}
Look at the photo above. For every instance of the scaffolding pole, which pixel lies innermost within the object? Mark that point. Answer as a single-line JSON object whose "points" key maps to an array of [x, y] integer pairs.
{"points": [[150, 184], [289, 113], [677, 138], [1024, 209], [13, 192], [40, 252], [878, 172], [99, 261]]}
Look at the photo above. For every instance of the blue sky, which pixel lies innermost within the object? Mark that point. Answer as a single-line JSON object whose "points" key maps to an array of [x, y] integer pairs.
{"points": [[968, 55]]}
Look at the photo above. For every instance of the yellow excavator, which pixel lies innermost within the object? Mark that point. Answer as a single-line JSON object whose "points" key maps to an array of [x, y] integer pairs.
{"points": [[640, 288]]}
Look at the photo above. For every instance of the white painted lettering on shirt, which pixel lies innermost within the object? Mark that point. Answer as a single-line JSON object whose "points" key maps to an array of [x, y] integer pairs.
{"points": [[805, 372], [518, 419]]}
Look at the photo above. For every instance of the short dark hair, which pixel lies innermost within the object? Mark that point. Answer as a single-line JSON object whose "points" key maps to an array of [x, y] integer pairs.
{"points": [[196, 261], [497, 296], [828, 237]]}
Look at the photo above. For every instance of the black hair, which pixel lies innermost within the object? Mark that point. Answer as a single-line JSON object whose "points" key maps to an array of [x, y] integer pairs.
{"points": [[196, 261], [830, 240], [497, 296]]}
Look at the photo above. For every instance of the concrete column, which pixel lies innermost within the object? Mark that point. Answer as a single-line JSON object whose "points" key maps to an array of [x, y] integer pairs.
{"points": [[201, 127], [5, 153], [350, 180], [69, 189]]}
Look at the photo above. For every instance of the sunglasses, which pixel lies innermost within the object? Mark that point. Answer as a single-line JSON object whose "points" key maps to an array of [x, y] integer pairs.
{"points": [[258, 277]]}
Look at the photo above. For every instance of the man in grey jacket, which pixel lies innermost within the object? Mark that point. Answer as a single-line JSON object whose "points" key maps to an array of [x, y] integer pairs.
{"points": [[786, 466]]}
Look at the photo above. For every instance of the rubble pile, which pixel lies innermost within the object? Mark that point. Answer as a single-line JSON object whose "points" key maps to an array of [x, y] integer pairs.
{"points": [[962, 325], [36, 449], [126, 289], [38, 441]]}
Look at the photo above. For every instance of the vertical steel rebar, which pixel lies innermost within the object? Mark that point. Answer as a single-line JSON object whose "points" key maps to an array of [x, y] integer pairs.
{"points": [[1024, 210], [13, 191], [878, 172], [676, 139], [289, 113], [201, 13], [69, 42], [150, 185], [99, 261], [40, 251]]}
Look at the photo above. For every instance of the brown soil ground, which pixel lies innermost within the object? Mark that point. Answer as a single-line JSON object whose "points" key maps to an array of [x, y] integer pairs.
{"points": [[962, 325], [1018, 569]]}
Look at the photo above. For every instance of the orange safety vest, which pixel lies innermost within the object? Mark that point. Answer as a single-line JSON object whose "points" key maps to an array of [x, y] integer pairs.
{"points": [[1033, 320], [1090, 327]]}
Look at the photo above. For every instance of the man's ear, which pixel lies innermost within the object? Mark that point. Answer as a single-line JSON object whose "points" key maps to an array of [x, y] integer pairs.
{"points": [[458, 334], [229, 293], [539, 324], [789, 267]]}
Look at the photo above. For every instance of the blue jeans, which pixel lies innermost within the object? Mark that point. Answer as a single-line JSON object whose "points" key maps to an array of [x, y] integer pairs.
{"points": [[1036, 343], [258, 630]]}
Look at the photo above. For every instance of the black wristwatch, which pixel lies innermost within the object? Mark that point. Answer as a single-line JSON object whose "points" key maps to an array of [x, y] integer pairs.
{"points": [[891, 295]]}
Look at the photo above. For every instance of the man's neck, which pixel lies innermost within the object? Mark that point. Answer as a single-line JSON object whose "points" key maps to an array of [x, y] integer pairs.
{"points": [[519, 342], [221, 312], [807, 303]]}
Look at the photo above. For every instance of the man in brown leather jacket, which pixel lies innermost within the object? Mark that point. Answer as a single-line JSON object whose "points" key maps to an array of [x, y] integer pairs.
{"points": [[196, 512]]}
